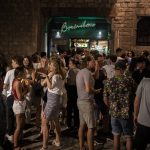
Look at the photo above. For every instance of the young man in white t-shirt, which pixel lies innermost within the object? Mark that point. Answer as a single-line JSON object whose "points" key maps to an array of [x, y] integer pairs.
{"points": [[16, 61], [142, 113], [110, 68]]}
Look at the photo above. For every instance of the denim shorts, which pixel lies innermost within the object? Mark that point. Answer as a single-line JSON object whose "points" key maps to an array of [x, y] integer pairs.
{"points": [[124, 126], [19, 107]]}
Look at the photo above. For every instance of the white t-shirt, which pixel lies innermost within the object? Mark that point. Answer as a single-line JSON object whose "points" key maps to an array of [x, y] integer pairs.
{"points": [[143, 93], [84, 76], [110, 70], [57, 85], [9, 80], [119, 58]]}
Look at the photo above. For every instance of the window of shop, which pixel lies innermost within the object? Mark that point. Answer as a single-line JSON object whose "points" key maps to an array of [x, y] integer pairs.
{"points": [[143, 31]]}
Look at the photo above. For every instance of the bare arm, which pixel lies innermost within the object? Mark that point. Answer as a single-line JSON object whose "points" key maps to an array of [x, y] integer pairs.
{"points": [[106, 101], [136, 108], [47, 81], [5, 88], [19, 92], [96, 75], [44, 82], [90, 89]]}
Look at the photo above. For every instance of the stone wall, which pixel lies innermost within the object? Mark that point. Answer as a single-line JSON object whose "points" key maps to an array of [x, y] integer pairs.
{"points": [[22, 22], [124, 23], [18, 26], [101, 7]]}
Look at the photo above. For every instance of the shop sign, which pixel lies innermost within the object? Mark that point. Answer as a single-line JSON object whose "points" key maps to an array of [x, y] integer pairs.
{"points": [[84, 24]]}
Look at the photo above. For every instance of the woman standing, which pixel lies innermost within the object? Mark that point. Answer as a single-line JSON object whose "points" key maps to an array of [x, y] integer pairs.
{"points": [[54, 83], [19, 89]]}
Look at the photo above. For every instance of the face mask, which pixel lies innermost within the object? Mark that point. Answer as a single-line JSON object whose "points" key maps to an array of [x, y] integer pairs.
{"points": [[36, 65]]}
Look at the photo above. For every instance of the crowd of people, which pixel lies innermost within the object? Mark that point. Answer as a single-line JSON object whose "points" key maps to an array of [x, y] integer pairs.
{"points": [[90, 90]]}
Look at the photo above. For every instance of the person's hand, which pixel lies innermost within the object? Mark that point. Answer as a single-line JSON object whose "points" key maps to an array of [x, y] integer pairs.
{"points": [[50, 75], [33, 74], [43, 115], [43, 75], [96, 65], [135, 121]]}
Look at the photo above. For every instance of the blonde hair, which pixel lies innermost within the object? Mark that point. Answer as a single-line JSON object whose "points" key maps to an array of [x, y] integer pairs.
{"points": [[57, 63]]}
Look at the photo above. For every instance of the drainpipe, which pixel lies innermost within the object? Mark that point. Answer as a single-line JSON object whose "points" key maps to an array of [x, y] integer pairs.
{"points": [[46, 37]]}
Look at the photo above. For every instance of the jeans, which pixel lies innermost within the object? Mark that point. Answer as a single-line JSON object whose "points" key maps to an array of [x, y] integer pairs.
{"points": [[122, 125]]}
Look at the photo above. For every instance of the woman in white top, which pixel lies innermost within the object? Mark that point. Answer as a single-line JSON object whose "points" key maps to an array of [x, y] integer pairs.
{"points": [[54, 83]]}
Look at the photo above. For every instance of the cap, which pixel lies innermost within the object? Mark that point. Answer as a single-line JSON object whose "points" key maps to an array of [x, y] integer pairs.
{"points": [[120, 65]]}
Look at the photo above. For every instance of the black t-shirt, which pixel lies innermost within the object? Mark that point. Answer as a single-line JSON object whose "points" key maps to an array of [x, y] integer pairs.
{"points": [[99, 84]]}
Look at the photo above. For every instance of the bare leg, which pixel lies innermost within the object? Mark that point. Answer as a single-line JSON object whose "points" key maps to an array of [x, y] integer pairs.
{"points": [[129, 143], [116, 142], [81, 136], [45, 132], [58, 130], [90, 139], [20, 119]]}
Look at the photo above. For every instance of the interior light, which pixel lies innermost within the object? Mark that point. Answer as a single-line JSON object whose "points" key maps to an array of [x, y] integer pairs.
{"points": [[100, 33], [58, 34]]}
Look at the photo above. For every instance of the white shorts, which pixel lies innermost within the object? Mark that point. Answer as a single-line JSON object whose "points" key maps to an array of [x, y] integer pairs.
{"points": [[19, 107]]}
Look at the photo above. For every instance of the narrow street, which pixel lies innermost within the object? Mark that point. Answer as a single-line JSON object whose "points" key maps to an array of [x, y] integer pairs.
{"points": [[33, 141]]}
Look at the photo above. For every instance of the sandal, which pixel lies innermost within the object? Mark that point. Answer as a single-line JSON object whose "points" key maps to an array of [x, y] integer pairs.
{"points": [[55, 143], [44, 148]]}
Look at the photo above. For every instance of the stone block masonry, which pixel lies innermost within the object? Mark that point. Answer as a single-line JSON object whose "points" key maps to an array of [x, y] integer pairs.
{"points": [[18, 27], [22, 22], [124, 22]]}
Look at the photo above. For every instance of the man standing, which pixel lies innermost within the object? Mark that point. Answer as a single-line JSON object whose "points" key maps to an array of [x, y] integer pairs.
{"points": [[109, 69], [119, 53], [142, 113], [117, 92], [85, 102], [16, 61]]}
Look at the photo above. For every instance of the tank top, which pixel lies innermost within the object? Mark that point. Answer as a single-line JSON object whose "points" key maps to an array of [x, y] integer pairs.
{"points": [[14, 91]]}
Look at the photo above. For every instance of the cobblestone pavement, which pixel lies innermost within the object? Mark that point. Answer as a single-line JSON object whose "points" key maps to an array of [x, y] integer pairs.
{"points": [[32, 141]]}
